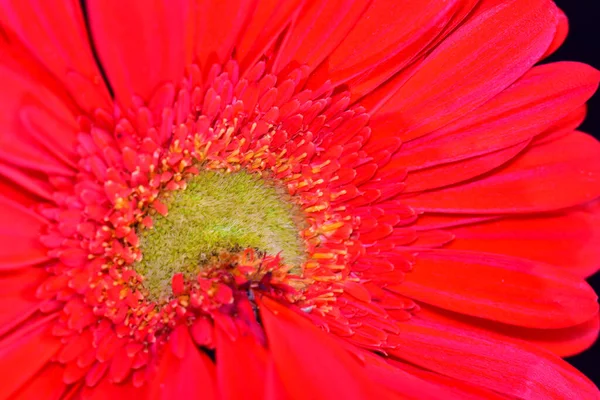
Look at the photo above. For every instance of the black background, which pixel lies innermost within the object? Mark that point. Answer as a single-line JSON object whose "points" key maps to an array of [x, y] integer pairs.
{"points": [[582, 44]]}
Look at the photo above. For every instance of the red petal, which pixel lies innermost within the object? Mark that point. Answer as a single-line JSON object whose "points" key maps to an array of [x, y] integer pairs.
{"points": [[568, 239], [377, 78], [442, 175], [520, 371], [499, 288], [18, 299], [48, 381], [142, 43], [188, 377], [20, 236], [107, 390], [563, 342], [38, 128], [24, 186], [479, 60], [399, 381], [540, 98], [241, 370], [438, 221], [451, 385], [391, 33], [562, 30], [274, 389], [17, 192], [312, 364], [563, 127], [320, 27], [24, 354], [553, 175], [218, 26], [55, 33], [269, 19]]}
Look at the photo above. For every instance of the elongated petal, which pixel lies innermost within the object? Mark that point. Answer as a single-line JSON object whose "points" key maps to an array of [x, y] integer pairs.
{"points": [[563, 342], [242, 366], [520, 371], [218, 26], [390, 32], [107, 390], [499, 288], [562, 30], [310, 363], [38, 128], [543, 96], [497, 47], [464, 389], [142, 43], [374, 83], [20, 231], [24, 354], [269, 19], [459, 171], [320, 27], [557, 174], [394, 376], [55, 33], [18, 299], [48, 381], [188, 374], [570, 239]]}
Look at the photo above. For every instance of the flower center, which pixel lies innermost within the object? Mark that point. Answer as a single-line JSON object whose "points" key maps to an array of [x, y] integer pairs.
{"points": [[217, 212]]}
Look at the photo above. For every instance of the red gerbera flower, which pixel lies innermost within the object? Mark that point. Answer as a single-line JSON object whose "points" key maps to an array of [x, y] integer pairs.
{"points": [[294, 199]]}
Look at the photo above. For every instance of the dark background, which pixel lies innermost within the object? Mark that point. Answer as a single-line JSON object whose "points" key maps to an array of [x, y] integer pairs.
{"points": [[582, 44]]}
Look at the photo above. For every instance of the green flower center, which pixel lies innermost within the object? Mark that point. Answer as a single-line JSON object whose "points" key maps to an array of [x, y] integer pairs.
{"points": [[219, 211]]}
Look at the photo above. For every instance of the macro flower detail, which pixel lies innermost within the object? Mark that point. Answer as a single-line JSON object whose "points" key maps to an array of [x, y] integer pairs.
{"points": [[299, 199]]}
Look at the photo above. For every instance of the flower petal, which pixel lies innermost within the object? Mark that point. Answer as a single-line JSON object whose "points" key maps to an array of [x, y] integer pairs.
{"points": [[397, 379], [107, 390], [529, 183], [500, 288], [48, 381], [568, 239], [20, 236], [142, 43], [497, 46], [24, 354], [241, 370], [390, 33], [55, 33], [188, 375], [451, 173], [320, 27], [310, 363], [218, 26], [375, 82], [450, 385], [18, 300], [520, 371], [562, 30], [268, 21], [542, 97], [38, 130], [563, 342]]}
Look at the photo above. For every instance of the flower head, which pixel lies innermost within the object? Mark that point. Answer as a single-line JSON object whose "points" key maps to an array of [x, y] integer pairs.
{"points": [[322, 199]]}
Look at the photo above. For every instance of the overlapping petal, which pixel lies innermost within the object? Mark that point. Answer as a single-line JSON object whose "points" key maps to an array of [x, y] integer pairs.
{"points": [[142, 44]]}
